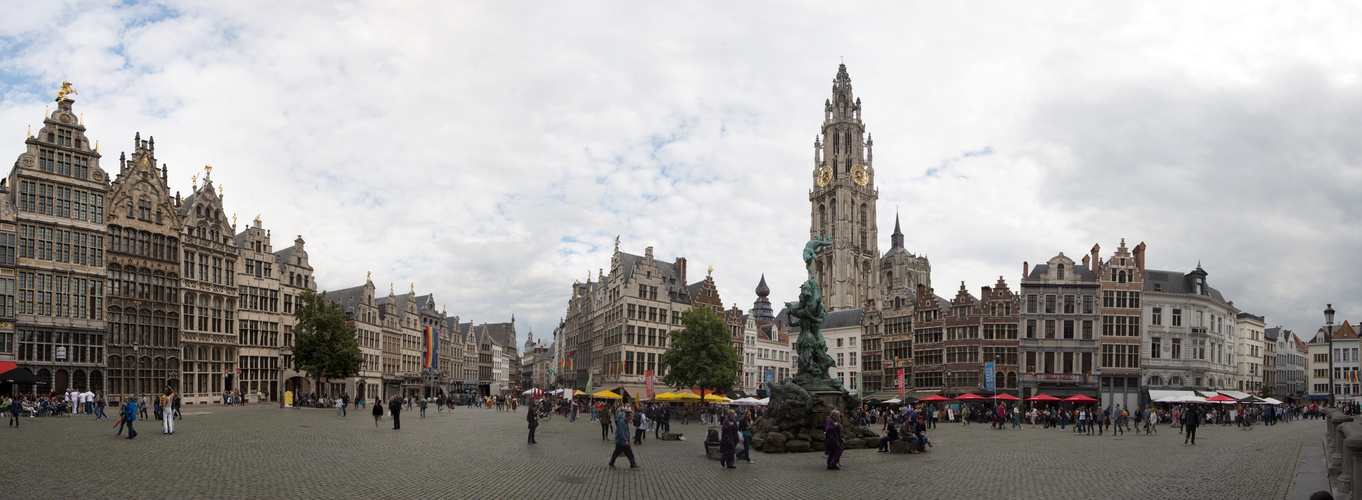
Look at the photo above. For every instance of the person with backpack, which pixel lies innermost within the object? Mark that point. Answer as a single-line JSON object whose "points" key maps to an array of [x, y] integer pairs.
{"points": [[378, 414], [641, 424]]}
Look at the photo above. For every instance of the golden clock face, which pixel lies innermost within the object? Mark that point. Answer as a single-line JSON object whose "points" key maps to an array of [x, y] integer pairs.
{"points": [[859, 175], [824, 176]]}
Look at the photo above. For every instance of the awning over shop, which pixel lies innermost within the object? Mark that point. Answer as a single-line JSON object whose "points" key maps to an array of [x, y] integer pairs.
{"points": [[1160, 396], [1317, 396], [1237, 395], [914, 394]]}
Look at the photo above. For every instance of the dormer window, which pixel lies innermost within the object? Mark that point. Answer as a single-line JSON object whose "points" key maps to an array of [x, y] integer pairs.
{"points": [[1198, 286]]}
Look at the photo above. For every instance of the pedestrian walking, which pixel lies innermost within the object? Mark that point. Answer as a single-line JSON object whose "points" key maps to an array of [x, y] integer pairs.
{"points": [[745, 429], [1190, 420], [622, 441], [378, 414], [395, 408], [130, 416], [99, 406], [531, 416], [422, 406], [728, 429], [833, 445], [15, 409]]}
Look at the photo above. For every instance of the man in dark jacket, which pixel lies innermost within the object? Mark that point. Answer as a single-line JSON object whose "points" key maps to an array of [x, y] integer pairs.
{"points": [[1190, 418], [395, 407], [532, 417]]}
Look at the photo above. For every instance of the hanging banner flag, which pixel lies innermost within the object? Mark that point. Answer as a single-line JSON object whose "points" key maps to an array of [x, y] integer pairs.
{"points": [[900, 382], [648, 377], [988, 377], [432, 338]]}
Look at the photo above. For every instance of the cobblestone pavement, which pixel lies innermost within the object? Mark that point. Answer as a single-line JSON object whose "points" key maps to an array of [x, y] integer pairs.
{"points": [[265, 452]]}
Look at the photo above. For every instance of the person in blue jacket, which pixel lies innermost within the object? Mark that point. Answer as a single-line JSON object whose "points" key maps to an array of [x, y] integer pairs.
{"points": [[130, 416]]}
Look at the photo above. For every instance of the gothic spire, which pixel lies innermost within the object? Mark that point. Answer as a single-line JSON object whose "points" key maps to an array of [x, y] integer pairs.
{"points": [[896, 239]]}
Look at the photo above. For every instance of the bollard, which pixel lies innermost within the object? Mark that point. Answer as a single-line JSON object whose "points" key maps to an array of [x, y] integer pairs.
{"points": [[1334, 444], [1354, 446], [1349, 442]]}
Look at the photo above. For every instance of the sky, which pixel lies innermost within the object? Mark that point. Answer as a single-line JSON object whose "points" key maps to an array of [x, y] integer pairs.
{"points": [[490, 152]]}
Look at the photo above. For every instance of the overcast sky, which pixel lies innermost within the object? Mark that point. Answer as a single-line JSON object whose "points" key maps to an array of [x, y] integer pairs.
{"points": [[490, 152]]}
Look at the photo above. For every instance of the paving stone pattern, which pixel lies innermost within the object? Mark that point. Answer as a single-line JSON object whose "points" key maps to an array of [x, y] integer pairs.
{"points": [[266, 452]]}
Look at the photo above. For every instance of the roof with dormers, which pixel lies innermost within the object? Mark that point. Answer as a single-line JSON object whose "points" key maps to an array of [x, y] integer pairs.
{"points": [[1176, 282]]}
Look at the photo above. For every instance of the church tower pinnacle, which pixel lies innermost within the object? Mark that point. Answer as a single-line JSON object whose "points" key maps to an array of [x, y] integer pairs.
{"points": [[843, 202]]}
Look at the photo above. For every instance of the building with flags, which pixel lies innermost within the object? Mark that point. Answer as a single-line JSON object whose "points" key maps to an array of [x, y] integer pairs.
{"points": [[616, 325]]}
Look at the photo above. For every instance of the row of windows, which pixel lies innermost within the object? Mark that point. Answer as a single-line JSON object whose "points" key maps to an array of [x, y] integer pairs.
{"points": [[143, 327], [60, 296], [60, 245], [48, 199], [217, 276], [259, 299], [1060, 304], [133, 242], [213, 314], [143, 284], [45, 345]]}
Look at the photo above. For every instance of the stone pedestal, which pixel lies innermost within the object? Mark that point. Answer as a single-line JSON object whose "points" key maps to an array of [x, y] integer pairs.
{"points": [[795, 420]]}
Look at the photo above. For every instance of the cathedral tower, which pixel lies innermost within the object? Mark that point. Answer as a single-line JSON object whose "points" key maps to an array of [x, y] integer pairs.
{"points": [[843, 202]]}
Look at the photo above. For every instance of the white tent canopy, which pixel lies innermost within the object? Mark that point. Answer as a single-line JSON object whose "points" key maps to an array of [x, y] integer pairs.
{"points": [[1271, 401], [1159, 396]]}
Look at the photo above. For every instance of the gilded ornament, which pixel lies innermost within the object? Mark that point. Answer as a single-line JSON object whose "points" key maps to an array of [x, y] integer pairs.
{"points": [[65, 90]]}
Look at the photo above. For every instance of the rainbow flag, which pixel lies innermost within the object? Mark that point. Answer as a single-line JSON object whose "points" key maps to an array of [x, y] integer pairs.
{"points": [[431, 356]]}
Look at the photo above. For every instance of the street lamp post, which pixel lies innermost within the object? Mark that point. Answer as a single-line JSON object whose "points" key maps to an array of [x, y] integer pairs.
{"points": [[1329, 323], [137, 368], [280, 377]]}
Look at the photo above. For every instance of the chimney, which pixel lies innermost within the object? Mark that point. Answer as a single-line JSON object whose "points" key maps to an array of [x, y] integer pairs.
{"points": [[1096, 261], [1026, 269], [1139, 257], [648, 253], [681, 270], [1087, 260]]}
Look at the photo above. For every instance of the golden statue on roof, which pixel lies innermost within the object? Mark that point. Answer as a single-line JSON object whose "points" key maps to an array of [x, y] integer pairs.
{"points": [[65, 90]]}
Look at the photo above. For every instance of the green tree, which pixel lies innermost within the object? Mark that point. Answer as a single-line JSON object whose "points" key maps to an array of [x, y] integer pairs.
{"points": [[324, 344], [700, 355]]}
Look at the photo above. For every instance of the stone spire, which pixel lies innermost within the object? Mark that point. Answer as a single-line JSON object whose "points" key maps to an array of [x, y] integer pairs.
{"points": [[761, 309], [896, 239]]}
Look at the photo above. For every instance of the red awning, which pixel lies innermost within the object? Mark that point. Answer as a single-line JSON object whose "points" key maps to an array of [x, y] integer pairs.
{"points": [[969, 397], [1042, 397], [1006, 397], [934, 397], [1221, 398], [7, 366], [1079, 398]]}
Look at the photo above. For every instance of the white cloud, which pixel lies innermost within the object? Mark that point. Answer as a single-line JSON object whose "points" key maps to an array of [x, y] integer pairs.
{"points": [[491, 152]]}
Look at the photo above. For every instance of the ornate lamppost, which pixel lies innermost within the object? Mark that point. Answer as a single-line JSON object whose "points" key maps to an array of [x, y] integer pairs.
{"points": [[1329, 323]]}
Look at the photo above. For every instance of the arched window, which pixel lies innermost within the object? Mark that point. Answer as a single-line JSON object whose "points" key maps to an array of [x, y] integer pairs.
{"points": [[1121, 277], [203, 354], [217, 354], [1175, 381], [1059, 271], [1155, 380]]}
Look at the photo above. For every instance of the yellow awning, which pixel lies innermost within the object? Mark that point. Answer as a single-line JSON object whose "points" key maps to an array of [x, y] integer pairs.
{"points": [[606, 395]]}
